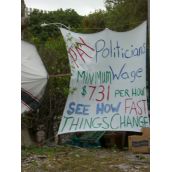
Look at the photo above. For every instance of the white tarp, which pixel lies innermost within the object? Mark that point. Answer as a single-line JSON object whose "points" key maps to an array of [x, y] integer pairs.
{"points": [[108, 83], [33, 77]]}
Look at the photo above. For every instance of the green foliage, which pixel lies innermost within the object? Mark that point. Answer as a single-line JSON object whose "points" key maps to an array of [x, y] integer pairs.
{"points": [[94, 22], [126, 15], [67, 17], [54, 55]]}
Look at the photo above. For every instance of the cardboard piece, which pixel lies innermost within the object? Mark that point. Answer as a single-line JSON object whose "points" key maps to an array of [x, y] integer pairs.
{"points": [[146, 132], [140, 144]]}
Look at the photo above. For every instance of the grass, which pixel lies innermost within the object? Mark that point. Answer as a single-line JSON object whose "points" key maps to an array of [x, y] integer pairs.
{"points": [[72, 159]]}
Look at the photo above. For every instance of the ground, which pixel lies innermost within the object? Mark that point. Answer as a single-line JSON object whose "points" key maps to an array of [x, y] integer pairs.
{"points": [[75, 159]]}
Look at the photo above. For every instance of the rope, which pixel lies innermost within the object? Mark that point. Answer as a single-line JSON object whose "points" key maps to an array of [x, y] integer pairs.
{"points": [[127, 24], [59, 75]]}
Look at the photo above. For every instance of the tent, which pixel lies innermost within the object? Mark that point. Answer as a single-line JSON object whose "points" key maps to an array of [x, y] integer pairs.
{"points": [[33, 77]]}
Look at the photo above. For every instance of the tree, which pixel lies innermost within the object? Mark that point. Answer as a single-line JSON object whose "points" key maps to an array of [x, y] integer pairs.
{"points": [[94, 22], [67, 17], [126, 15]]}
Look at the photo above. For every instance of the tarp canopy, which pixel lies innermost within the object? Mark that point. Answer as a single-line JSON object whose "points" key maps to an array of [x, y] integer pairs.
{"points": [[33, 77]]}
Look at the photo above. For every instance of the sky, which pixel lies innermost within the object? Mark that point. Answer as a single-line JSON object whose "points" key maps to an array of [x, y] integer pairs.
{"points": [[82, 7]]}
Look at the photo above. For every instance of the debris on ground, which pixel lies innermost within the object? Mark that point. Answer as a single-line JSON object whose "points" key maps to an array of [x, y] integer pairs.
{"points": [[76, 159]]}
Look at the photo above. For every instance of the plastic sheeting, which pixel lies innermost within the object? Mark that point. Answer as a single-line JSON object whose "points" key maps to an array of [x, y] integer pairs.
{"points": [[33, 77]]}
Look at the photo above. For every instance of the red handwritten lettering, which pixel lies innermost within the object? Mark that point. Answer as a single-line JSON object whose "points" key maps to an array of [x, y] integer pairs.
{"points": [[78, 51], [73, 56], [135, 107]]}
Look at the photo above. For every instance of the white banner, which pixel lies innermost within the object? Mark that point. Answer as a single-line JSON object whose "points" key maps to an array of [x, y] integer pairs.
{"points": [[108, 83]]}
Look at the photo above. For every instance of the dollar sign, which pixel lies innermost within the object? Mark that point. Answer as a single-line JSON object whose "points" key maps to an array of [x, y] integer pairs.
{"points": [[84, 92]]}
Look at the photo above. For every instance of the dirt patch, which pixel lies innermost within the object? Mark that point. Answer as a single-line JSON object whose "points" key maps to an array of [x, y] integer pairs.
{"points": [[73, 159]]}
